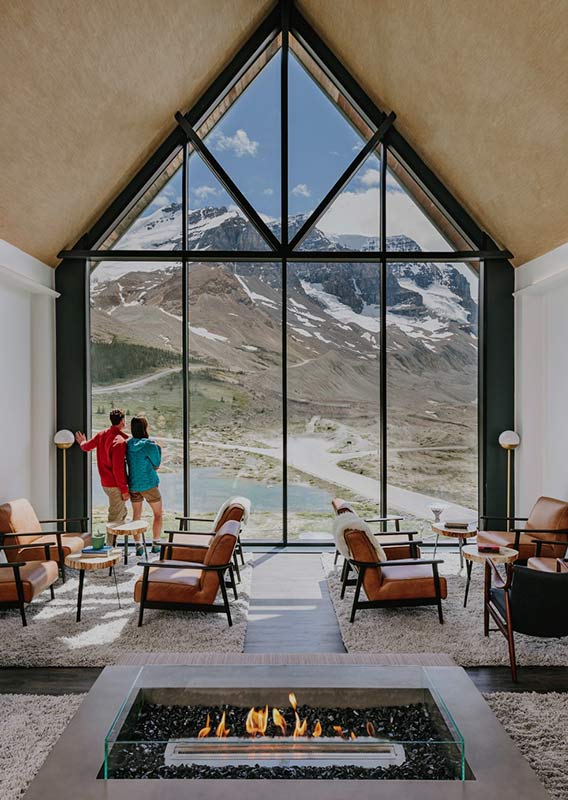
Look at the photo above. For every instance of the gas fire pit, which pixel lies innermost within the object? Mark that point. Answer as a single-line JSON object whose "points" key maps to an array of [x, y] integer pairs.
{"points": [[316, 733]]}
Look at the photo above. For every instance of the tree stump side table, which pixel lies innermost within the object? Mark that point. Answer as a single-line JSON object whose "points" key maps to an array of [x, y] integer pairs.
{"points": [[127, 529], [506, 555], [88, 563]]}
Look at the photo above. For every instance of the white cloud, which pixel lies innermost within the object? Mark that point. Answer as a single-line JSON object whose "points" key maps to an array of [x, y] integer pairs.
{"points": [[205, 191], [371, 177], [357, 213], [301, 190], [268, 191], [239, 143]]}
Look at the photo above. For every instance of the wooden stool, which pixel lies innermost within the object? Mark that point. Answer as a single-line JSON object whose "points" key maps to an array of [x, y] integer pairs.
{"points": [[87, 563], [127, 529]]}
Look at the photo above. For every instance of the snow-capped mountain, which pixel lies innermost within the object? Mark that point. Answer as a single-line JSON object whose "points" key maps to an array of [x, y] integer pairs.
{"points": [[332, 309]]}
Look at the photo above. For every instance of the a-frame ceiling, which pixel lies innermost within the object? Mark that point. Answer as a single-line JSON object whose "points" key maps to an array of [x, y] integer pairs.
{"points": [[89, 90]]}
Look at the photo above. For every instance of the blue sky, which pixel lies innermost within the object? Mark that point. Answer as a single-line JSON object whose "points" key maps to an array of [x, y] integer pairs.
{"points": [[321, 144]]}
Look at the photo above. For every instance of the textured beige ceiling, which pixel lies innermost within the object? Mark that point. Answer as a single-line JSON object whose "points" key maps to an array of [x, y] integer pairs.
{"points": [[480, 89], [89, 89]]}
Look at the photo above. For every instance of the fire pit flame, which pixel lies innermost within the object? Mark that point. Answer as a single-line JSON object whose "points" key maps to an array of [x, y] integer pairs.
{"points": [[293, 701], [205, 731], [339, 730], [317, 730], [301, 726], [257, 721], [222, 731], [279, 720], [370, 729]]}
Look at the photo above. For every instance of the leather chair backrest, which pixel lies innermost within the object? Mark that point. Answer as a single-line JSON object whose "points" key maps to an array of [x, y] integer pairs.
{"points": [[220, 551], [341, 507], [549, 513], [539, 601], [362, 550], [233, 512], [18, 515]]}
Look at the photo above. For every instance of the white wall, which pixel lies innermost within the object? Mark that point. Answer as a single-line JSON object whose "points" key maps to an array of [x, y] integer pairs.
{"points": [[27, 379], [541, 320]]}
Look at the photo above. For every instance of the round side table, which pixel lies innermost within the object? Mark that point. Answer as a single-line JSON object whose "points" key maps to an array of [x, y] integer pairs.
{"points": [[461, 534], [88, 563], [127, 529], [506, 555]]}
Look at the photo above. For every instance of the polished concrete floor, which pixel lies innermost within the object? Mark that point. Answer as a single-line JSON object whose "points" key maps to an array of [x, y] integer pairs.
{"points": [[290, 612]]}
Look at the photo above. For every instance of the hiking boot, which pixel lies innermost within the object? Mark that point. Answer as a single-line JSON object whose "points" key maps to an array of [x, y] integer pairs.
{"points": [[139, 550], [156, 547]]}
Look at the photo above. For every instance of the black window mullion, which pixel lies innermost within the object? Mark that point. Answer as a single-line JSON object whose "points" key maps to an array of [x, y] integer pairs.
{"points": [[383, 331], [284, 264], [185, 333]]}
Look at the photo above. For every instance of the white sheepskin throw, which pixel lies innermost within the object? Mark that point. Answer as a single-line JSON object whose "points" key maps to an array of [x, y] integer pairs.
{"points": [[243, 502], [347, 522]]}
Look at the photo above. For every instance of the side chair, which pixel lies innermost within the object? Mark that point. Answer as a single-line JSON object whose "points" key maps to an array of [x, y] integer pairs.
{"points": [[21, 581]]}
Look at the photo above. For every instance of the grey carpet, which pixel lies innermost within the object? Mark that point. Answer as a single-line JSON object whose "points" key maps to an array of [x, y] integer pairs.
{"points": [[538, 724], [31, 724], [106, 633], [417, 630]]}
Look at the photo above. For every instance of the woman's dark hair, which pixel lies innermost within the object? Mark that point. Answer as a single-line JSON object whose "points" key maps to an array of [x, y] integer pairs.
{"points": [[116, 416], [139, 427]]}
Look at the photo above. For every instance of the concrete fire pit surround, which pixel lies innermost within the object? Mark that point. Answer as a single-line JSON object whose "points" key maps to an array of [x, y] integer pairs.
{"points": [[72, 767]]}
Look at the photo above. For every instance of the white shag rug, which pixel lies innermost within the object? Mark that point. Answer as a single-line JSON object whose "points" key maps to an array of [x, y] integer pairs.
{"points": [[105, 632], [417, 630], [31, 724], [538, 723]]}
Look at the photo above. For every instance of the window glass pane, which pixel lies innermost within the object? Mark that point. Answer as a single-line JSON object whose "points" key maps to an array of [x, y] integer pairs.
{"points": [[235, 383], [155, 221], [214, 221], [414, 221], [136, 365], [432, 347], [352, 221], [333, 393], [246, 141], [322, 142]]}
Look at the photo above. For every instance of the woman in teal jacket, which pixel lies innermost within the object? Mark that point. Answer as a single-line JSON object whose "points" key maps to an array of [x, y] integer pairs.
{"points": [[143, 459]]}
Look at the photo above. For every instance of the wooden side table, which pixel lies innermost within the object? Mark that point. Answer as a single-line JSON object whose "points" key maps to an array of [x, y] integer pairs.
{"points": [[461, 534], [506, 555], [127, 529], [88, 563]]}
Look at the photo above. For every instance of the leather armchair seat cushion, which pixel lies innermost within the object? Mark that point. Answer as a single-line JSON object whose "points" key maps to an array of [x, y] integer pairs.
{"points": [[36, 576], [543, 564], [184, 553], [71, 542], [415, 581], [168, 585], [526, 547]]}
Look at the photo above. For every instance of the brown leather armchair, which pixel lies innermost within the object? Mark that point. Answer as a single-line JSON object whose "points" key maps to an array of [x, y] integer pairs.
{"points": [[202, 539], [21, 580], [397, 544], [20, 526], [190, 585], [547, 522], [397, 583]]}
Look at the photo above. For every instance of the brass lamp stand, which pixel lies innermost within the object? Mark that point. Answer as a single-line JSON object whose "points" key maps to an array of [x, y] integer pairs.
{"points": [[63, 440], [509, 441]]}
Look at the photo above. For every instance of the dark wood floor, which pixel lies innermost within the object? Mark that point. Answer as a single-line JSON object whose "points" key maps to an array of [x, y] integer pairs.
{"points": [[290, 612]]}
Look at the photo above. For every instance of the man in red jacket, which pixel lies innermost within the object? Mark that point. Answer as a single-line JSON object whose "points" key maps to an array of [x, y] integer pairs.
{"points": [[111, 461]]}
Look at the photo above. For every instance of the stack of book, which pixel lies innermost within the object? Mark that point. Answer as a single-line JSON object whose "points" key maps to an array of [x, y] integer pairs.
{"points": [[90, 551], [458, 526]]}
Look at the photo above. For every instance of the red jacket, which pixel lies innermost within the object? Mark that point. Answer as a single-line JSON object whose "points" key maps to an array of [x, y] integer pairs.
{"points": [[111, 456]]}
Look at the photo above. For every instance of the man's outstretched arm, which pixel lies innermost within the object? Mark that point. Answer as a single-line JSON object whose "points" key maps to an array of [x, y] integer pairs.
{"points": [[84, 443]]}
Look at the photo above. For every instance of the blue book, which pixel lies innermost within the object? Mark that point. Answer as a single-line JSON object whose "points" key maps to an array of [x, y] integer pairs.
{"points": [[102, 551]]}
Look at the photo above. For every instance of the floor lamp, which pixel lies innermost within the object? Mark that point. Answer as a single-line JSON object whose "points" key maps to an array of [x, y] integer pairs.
{"points": [[63, 440], [509, 441]]}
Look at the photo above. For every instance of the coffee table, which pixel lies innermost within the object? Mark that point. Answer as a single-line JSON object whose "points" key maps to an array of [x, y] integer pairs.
{"points": [[506, 555], [88, 563], [126, 529], [461, 534]]}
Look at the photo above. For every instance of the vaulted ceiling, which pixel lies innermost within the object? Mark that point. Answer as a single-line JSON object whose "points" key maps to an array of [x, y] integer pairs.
{"points": [[89, 90]]}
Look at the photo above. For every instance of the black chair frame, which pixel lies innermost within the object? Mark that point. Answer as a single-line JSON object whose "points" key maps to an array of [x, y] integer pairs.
{"points": [[539, 545], [213, 608], [58, 537], [363, 566], [16, 566]]}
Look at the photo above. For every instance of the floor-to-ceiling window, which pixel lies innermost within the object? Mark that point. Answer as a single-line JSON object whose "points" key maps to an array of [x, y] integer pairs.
{"points": [[299, 377]]}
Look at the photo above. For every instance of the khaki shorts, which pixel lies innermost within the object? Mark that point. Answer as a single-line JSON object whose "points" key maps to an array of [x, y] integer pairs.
{"points": [[117, 511], [150, 495]]}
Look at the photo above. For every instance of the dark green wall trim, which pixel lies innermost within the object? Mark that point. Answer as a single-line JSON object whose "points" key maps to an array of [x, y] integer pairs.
{"points": [[73, 368], [496, 382]]}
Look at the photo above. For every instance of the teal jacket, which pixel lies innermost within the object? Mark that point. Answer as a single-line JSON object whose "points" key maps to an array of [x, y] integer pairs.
{"points": [[143, 457]]}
